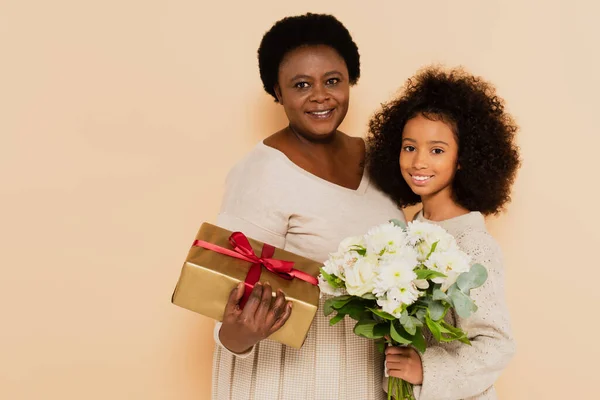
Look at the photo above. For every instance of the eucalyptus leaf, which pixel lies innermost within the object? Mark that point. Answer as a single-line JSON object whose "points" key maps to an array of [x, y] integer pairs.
{"points": [[340, 301], [436, 310], [399, 223], [327, 306], [463, 304], [420, 314], [409, 325], [439, 295], [472, 279]]}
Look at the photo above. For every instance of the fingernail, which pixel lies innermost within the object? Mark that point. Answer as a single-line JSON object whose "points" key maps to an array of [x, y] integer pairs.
{"points": [[290, 304], [267, 283]]}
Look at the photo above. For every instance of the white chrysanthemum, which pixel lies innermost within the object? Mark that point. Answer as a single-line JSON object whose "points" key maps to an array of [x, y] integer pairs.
{"points": [[387, 238], [397, 297], [328, 289], [451, 263], [396, 271], [390, 306], [422, 235], [360, 276]]}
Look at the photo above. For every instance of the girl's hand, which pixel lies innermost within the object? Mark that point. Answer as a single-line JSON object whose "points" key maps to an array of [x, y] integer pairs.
{"points": [[404, 363]]}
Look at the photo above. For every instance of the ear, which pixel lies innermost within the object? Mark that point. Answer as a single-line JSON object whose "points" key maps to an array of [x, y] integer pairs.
{"points": [[277, 90]]}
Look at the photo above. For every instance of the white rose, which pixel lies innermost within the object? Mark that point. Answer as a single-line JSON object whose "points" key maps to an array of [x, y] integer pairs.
{"points": [[360, 276], [350, 243]]}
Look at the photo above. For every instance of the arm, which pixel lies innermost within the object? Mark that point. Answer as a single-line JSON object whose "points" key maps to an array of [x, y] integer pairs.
{"points": [[250, 207], [457, 371]]}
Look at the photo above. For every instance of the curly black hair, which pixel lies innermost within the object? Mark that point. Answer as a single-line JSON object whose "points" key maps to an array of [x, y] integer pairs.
{"points": [[304, 30], [487, 153]]}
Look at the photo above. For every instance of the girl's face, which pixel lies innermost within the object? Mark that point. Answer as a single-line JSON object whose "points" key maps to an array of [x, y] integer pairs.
{"points": [[429, 157], [314, 89]]}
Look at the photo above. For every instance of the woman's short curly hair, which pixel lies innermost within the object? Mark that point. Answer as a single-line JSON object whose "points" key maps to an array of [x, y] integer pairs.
{"points": [[487, 153], [304, 30]]}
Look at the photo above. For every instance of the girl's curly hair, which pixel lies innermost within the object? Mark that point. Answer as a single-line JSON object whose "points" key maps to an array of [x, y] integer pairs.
{"points": [[487, 153]]}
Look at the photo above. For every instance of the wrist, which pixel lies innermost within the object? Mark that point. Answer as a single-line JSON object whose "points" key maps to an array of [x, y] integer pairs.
{"points": [[232, 344]]}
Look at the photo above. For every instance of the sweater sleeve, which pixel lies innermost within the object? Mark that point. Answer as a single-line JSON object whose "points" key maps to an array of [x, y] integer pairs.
{"points": [[251, 205], [457, 371]]}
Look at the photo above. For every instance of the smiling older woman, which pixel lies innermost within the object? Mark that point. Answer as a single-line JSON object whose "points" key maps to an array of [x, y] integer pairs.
{"points": [[303, 189]]}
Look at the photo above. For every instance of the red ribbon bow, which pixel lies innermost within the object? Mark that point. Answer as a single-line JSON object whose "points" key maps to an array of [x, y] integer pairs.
{"points": [[243, 251]]}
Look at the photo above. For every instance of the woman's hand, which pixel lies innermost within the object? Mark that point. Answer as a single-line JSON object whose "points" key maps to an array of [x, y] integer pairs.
{"points": [[262, 316], [404, 363]]}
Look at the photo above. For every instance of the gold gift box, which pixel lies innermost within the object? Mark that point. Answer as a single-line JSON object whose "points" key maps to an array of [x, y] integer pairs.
{"points": [[207, 278]]}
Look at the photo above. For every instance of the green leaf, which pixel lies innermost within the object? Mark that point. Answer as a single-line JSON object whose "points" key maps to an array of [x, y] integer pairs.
{"points": [[399, 223], [355, 308], [454, 333], [340, 301], [359, 249], [398, 334], [433, 247], [382, 314], [327, 306], [382, 329], [463, 304], [408, 324], [418, 341], [428, 274], [433, 328], [332, 280], [439, 295], [380, 345], [336, 319], [472, 279], [437, 310], [367, 329], [369, 296], [420, 314]]}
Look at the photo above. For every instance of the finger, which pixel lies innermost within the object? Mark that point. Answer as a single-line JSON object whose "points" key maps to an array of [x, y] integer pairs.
{"points": [[277, 308], [235, 296], [396, 366], [396, 358], [252, 303], [397, 350], [282, 318], [265, 303], [397, 374]]}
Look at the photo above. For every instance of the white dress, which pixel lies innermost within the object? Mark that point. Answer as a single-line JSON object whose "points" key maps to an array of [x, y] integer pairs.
{"points": [[271, 199]]}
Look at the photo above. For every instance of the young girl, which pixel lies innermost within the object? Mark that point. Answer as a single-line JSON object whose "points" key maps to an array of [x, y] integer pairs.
{"points": [[448, 143]]}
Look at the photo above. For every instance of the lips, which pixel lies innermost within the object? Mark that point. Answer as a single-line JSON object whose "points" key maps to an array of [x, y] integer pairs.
{"points": [[421, 179], [321, 114]]}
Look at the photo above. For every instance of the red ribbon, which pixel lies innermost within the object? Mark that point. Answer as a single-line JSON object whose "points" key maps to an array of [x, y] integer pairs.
{"points": [[243, 251]]}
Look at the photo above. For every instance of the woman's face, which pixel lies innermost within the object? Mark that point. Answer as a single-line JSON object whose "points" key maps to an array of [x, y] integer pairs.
{"points": [[314, 89], [429, 156]]}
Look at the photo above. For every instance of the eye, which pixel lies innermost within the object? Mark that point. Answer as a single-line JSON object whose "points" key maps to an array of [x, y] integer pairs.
{"points": [[437, 151], [332, 81], [409, 148], [301, 85]]}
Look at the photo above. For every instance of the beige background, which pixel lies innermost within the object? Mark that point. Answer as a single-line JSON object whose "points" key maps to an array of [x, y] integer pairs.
{"points": [[118, 123]]}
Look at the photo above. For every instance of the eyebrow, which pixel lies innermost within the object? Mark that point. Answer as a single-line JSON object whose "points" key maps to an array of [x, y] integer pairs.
{"points": [[430, 142], [302, 76]]}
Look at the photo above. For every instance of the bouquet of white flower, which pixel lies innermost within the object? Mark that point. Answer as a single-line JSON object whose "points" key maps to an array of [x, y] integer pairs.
{"points": [[398, 280]]}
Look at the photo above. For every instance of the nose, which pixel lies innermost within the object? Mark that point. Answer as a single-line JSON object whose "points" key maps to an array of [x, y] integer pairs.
{"points": [[420, 160], [319, 93]]}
